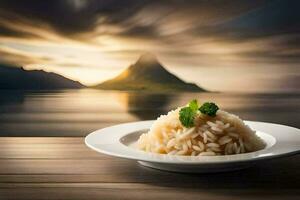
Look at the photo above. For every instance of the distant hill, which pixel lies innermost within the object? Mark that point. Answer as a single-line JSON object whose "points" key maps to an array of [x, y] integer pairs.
{"points": [[148, 74], [18, 78]]}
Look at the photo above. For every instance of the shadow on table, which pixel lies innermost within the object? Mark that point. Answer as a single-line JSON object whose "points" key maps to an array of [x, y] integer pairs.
{"points": [[275, 174]]}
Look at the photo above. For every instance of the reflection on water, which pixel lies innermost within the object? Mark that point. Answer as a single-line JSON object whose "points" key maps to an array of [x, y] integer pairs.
{"points": [[145, 106], [78, 112]]}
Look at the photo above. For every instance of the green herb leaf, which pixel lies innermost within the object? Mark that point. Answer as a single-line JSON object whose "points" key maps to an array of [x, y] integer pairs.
{"points": [[209, 109], [187, 116], [194, 105]]}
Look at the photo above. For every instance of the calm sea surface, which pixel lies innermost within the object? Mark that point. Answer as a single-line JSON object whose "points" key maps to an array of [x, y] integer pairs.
{"points": [[78, 112]]}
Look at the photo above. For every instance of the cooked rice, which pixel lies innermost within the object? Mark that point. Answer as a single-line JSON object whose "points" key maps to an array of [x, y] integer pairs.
{"points": [[223, 134]]}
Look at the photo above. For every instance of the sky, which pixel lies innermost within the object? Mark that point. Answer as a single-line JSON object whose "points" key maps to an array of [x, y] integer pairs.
{"points": [[236, 45]]}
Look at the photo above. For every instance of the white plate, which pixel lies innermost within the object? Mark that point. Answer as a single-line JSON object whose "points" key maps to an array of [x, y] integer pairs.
{"points": [[119, 141]]}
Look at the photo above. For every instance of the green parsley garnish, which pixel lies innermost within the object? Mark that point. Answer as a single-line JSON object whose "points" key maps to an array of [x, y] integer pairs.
{"points": [[209, 109], [194, 105], [187, 116]]}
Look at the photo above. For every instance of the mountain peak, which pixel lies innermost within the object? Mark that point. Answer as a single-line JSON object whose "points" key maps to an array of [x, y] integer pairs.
{"points": [[147, 58], [147, 73]]}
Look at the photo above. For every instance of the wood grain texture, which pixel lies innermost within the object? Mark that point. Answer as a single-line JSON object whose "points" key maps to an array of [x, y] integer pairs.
{"points": [[64, 168]]}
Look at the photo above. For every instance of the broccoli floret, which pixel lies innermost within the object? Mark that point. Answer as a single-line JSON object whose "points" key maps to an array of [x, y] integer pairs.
{"points": [[209, 109]]}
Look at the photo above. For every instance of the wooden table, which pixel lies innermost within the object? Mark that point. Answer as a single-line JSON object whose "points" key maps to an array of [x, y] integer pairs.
{"points": [[64, 168]]}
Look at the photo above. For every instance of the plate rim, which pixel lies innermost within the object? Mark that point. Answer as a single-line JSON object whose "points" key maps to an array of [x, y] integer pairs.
{"points": [[210, 159]]}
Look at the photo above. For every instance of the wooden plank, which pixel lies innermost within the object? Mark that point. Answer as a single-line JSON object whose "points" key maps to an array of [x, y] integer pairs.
{"points": [[41, 140], [134, 191], [49, 151], [64, 168], [254, 178], [51, 129], [48, 147], [282, 173]]}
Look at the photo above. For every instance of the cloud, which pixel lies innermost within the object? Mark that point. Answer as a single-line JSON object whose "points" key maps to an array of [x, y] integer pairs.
{"points": [[19, 58], [75, 17], [169, 25], [110, 34]]}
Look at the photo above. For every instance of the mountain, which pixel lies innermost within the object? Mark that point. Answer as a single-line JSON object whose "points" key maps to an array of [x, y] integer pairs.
{"points": [[147, 74], [21, 79]]}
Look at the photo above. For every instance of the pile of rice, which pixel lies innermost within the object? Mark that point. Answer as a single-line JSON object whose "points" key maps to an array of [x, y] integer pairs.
{"points": [[224, 134]]}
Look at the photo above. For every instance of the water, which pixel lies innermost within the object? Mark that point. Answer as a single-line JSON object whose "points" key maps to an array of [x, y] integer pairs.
{"points": [[79, 112]]}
